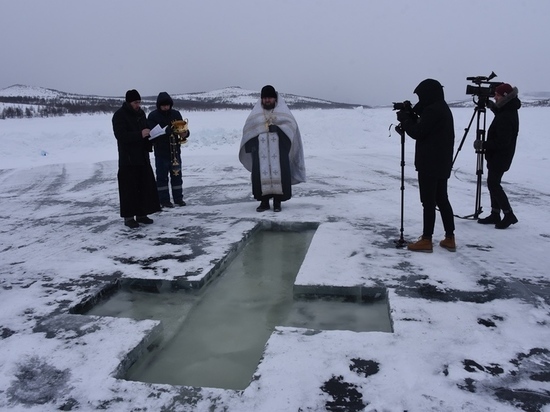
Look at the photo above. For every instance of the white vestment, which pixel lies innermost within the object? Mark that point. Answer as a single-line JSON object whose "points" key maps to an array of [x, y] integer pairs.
{"points": [[257, 125]]}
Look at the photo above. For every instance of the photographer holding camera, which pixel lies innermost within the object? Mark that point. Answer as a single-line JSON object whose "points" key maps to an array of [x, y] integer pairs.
{"points": [[499, 149], [430, 123]]}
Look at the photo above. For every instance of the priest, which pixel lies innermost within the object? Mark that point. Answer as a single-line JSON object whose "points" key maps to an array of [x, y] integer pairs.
{"points": [[271, 150]]}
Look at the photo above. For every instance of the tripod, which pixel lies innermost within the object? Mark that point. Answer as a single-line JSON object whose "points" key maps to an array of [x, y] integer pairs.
{"points": [[399, 243], [480, 114]]}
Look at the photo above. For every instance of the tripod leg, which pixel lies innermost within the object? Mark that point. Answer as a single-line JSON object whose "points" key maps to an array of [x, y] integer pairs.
{"points": [[480, 111], [399, 243], [465, 134], [479, 171]]}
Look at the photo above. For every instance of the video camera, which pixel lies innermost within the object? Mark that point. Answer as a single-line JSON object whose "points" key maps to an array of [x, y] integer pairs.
{"points": [[406, 105], [483, 87], [404, 108]]}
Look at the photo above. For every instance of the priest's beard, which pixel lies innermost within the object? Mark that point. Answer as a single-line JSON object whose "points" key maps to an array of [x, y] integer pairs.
{"points": [[269, 106]]}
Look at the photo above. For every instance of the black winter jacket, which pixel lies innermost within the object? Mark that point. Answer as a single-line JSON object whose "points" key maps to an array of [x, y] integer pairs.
{"points": [[502, 136], [161, 143], [433, 131], [133, 149]]}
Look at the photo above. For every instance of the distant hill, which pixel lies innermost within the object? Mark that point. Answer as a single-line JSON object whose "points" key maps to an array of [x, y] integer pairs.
{"points": [[526, 101], [237, 96], [29, 101], [529, 99], [19, 101]]}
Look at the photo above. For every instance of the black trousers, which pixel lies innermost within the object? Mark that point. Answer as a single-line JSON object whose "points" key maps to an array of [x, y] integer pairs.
{"points": [[433, 193], [499, 200]]}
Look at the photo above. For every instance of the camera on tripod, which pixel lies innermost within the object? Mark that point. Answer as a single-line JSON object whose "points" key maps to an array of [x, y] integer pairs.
{"points": [[483, 88]]}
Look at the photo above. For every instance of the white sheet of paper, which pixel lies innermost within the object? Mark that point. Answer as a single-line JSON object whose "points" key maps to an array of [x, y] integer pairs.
{"points": [[156, 132]]}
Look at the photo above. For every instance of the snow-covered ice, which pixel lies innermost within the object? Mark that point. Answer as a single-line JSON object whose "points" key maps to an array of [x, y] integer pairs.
{"points": [[471, 328]]}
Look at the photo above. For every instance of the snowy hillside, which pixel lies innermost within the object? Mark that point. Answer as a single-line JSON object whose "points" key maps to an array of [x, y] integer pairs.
{"points": [[229, 98], [233, 97], [19, 90], [239, 95]]}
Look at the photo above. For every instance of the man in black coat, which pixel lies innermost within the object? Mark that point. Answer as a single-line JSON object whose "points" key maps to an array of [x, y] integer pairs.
{"points": [[499, 149], [167, 155], [431, 124], [136, 181]]}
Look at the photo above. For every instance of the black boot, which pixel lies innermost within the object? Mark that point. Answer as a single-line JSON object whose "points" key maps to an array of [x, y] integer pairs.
{"points": [[509, 219], [492, 219], [144, 219], [131, 223], [264, 205], [276, 205]]}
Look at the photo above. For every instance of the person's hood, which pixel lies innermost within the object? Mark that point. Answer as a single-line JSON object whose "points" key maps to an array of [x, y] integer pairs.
{"points": [[164, 98], [510, 101], [429, 91]]}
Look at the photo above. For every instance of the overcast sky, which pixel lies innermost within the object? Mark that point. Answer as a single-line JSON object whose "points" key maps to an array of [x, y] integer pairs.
{"points": [[354, 51]]}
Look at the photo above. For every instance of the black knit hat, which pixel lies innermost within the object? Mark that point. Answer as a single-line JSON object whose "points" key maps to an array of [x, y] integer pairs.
{"points": [[268, 91], [132, 96]]}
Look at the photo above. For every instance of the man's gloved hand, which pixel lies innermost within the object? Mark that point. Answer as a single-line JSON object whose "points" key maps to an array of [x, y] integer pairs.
{"points": [[168, 130], [478, 145], [403, 116], [273, 128]]}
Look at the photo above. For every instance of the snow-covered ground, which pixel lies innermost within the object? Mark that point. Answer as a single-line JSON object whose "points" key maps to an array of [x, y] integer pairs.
{"points": [[471, 328]]}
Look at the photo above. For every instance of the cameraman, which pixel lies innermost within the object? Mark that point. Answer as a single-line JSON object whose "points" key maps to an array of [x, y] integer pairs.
{"points": [[499, 151], [431, 124]]}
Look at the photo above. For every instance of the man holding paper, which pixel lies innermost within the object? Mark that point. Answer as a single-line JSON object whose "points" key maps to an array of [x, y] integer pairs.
{"points": [[136, 182], [167, 153]]}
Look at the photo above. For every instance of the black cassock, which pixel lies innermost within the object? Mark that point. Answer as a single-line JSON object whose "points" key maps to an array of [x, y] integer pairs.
{"points": [[137, 187]]}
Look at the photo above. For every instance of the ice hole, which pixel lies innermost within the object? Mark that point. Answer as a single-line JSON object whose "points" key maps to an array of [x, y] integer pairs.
{"points": [[215, 336]]}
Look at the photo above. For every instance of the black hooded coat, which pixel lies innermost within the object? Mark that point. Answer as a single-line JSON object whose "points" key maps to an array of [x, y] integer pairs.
{"points": [[433, 131], [502, 135], [161, 144]]}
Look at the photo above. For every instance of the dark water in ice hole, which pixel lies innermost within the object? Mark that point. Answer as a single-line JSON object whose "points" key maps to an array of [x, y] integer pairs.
{"points": [[216, 337]]}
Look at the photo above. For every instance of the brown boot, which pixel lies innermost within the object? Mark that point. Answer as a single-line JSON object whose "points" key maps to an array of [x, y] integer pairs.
{"points": [[448, 243], [421, 245]]}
